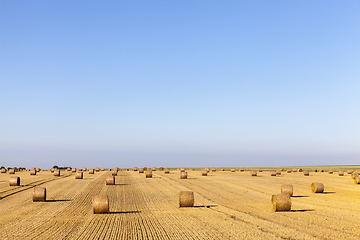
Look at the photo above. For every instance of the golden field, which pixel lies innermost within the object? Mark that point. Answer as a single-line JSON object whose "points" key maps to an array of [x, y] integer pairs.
{"points": [[228, 205]]}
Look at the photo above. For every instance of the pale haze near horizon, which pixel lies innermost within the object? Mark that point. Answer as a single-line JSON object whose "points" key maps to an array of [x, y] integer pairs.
{"points": [[179, 83]]}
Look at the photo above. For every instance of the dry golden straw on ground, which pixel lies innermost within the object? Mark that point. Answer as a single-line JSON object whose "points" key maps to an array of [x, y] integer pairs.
{"points": [[39, 194], [317, 187], [110, 180], [186, 199], [100, 204], [281, 202], [14, 181]]}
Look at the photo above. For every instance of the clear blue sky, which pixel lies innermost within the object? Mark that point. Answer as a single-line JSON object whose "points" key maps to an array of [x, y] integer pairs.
{"points": [[179, 83]]}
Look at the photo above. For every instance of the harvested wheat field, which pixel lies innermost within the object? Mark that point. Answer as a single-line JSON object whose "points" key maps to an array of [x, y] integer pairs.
{"points": [[227, 205]]}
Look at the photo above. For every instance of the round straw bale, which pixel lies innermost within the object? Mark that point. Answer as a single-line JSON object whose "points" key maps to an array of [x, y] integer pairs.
{"points": [[281, 202], [260, 170], [79, 170], [79, 175], [287, 189], [278, 172], [3, 170], [241, 169], [222, 170], [357, 180], [354, 175], [32, 172], [288, 170], [97, 169], [141, 170], [330, 171], [135, 169], [114, 172], [350, 171], [153, 169], [110, 180], [100, 204], [207, 169], [148, 173], [102, 169], [300, 170], [84, 169], [204, 173], [272, 173], [39, 194], [213, 169], [91, 171], [321, 170], [183, 175], [253, 173], [315, 170], [306, 173], [68, 169], [56, 172], [167, 170], [52, 170], [145, 168], [232, 169], [341, 173], [37, 169], [186, 199], [294, 170], [161, 169], [14, 181], [11, 171], [182, 169], [317, 187]]}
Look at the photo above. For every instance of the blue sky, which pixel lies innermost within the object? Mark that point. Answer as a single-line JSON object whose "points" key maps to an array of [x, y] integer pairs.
{"points": [[179, 83]]}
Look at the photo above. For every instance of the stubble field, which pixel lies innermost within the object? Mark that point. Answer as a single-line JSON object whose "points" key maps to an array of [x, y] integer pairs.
{"points": [[228, 205]]}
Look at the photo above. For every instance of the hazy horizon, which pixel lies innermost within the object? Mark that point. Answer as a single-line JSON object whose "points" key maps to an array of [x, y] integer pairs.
{"points": [[179, 83]]}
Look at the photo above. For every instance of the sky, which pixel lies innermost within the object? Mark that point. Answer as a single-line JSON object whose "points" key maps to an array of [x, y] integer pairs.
{"points": [[179, 83]]}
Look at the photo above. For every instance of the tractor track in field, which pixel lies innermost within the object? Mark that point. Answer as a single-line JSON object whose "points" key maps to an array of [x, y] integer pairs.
{"points": [[30, 185]]}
